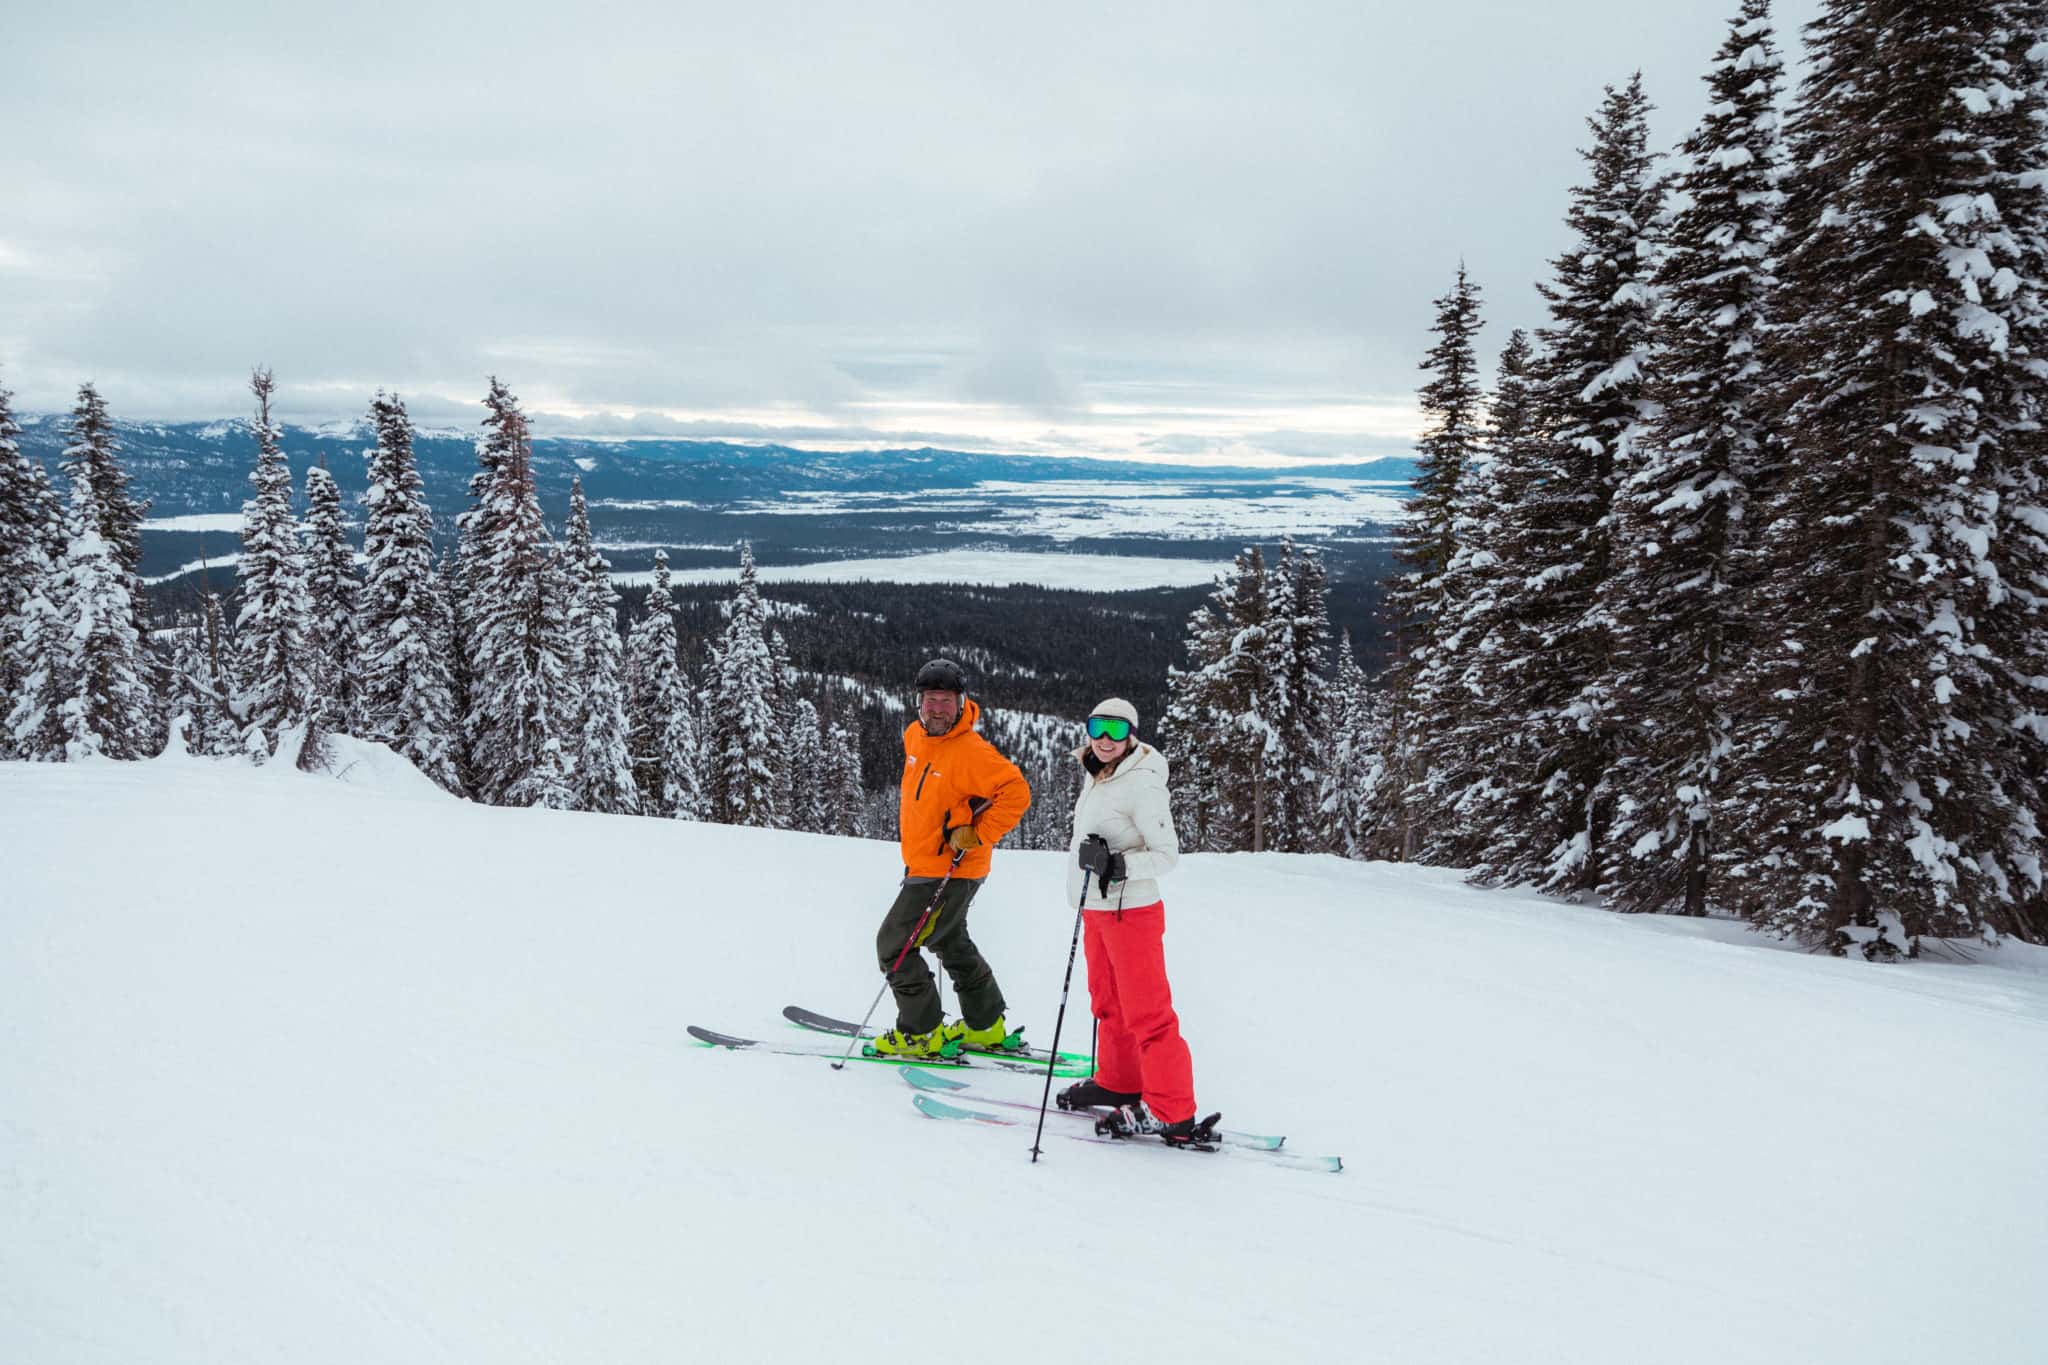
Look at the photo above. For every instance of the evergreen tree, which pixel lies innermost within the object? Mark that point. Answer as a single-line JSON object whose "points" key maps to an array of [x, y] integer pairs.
{"points": [[120, 515], [1587, 382], [518, 613], [843, 789], [1297, 641], [201, 695], [332, 591], [807, 787], [1220, 718], [478, 528], [745, 719], [278, 667], [1674, 602], [1480, 758], [1421, 692], [784, 738], [1891, 752], [30, 521], [453, 629], [603, 772], [1452, 407], [87, 691], [407, 693], [1354, 767], [661, 730]]}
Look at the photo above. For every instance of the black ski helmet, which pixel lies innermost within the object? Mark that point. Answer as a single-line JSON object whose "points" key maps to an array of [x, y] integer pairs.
{"points": [[941, 675]]}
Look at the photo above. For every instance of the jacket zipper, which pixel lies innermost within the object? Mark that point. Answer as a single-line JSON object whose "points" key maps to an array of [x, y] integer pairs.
{"points": [[919, 796]]}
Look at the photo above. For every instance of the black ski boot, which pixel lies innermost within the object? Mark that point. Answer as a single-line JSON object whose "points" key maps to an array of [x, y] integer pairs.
{"points": [[1135, 1120], [1190, 1132], [1088, 1095]]}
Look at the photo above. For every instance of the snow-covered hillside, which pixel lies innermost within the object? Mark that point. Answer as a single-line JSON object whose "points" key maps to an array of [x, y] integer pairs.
{"points": [[305, 1071]]}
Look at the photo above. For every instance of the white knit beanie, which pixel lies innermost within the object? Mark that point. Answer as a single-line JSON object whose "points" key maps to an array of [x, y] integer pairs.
{"points": [[1118, 707]]}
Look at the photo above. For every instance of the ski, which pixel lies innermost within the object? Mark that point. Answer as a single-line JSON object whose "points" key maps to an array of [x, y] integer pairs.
{"points": [[932, 1107], [833, 1052], [823, 1023], [946, 1085]]}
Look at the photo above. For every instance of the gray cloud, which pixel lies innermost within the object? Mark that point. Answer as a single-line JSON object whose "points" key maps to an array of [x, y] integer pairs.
{"points": [[797, 217]]}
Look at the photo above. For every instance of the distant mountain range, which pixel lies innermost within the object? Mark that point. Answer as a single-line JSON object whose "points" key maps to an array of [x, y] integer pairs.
{"points": [[198, 467]]}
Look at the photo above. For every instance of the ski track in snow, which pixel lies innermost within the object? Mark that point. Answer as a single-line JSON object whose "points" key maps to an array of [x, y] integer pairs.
{"points": [[324, 1071]]}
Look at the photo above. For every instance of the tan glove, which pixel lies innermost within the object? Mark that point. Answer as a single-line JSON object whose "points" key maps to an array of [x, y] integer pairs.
{"points": [[964, 838]]}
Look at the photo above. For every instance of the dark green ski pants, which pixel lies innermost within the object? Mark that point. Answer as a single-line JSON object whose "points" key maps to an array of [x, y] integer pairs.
{"points": [[917, 995]]}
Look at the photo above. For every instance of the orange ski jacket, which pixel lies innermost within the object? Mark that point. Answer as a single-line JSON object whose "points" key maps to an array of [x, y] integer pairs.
{"points": [[940, 776]]}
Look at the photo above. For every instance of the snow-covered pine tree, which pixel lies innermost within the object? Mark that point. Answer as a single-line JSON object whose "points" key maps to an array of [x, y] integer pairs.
{"points": [[2020, 636], [29, 520], [1420, 691], [807, 785], [844, 790], [1353, 765], [661, 731], [278, 668], [1673, 601], [199, 693], [1184, 736], [1587, 380], [783, 738], [745, 716], [603, 768], [477, 528], [518, 615], [332, 592], [87, 692], [1891, 746], [452, 629], [1478, 748], [407, 691], [120, 515], [1298, 647], [1219, 728], [120, 524], [218, 730]]}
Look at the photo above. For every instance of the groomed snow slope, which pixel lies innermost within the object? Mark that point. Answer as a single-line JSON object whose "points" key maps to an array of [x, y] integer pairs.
{"points": [[300, 1071]]}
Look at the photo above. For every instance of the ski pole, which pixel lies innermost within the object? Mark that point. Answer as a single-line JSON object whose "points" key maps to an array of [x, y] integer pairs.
{"points": [[890, 971], [1052, 1058]]}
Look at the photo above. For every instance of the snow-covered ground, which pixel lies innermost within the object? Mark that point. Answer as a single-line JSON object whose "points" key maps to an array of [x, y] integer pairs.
{"points": [[1066, 510], [991, 568], [306, 1071], [230, 522]]}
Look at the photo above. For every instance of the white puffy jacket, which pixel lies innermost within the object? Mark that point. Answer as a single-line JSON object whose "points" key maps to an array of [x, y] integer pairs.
{"points": [[1130, 809]]}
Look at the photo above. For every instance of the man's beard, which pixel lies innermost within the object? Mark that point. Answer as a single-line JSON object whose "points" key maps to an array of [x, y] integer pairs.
{"points": [[937, 728]]}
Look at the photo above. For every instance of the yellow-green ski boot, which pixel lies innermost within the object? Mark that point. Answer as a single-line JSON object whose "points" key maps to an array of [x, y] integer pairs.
{"points": [[995, 1038], [897, 1043]]}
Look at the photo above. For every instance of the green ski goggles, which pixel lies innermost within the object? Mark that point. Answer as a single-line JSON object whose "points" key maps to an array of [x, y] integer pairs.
{"points": [[1114, 727]]}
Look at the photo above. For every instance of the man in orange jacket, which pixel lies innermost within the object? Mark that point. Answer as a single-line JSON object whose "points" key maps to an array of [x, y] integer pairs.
{"points": [[959, 797]]}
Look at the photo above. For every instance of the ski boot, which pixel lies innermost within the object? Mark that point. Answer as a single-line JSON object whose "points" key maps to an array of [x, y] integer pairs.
{"points": [[897, 1043], [1135, 1120], [997, 1037], [1090, 1095]]}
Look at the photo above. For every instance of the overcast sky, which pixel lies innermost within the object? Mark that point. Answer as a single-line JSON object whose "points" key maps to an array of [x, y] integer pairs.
{"points": [[1204, 231]]}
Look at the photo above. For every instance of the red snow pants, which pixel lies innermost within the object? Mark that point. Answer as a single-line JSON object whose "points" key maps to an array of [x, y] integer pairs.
{"points": [[1138, 1044]]}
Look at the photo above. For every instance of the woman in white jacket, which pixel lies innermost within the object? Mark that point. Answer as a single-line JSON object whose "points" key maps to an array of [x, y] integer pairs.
{"points": [[1123, 843]]}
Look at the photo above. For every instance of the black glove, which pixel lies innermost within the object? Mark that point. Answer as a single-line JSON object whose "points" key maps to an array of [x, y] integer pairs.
{"points": [[1095, 857]]}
